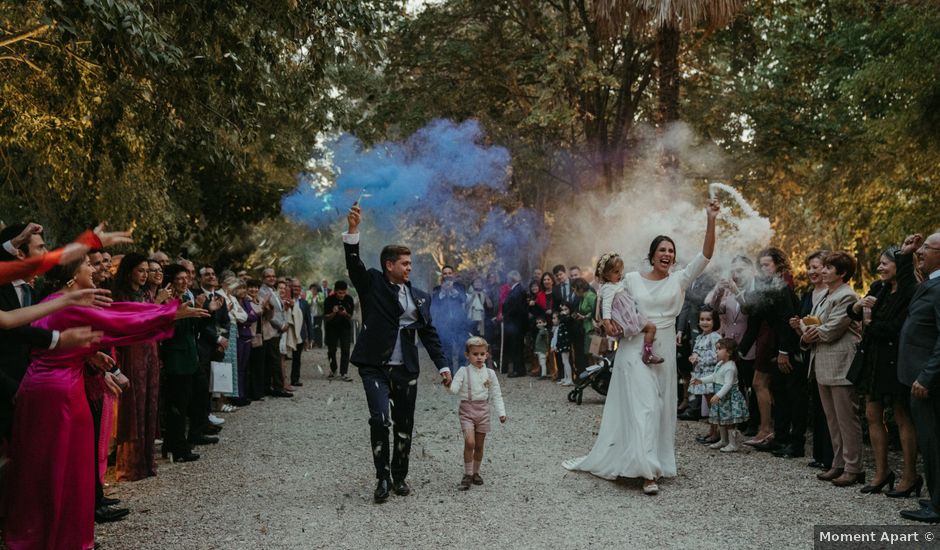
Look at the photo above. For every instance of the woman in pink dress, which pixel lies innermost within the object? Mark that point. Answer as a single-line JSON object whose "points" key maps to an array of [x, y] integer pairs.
{"points": [[51, 494]]}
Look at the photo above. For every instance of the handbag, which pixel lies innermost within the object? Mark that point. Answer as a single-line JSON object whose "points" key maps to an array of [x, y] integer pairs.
{"points": [[598, 345], [854, 374], [222, 380]]}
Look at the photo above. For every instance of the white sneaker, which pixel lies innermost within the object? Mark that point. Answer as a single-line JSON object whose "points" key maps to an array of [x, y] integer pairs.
{"points": [[719, 444], [215, 420], [567, 383]]}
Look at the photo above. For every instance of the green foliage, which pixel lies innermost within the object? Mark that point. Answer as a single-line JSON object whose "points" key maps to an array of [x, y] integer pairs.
{"points": [[191, 119], [188, 120], [837, 102], [542, 77]]}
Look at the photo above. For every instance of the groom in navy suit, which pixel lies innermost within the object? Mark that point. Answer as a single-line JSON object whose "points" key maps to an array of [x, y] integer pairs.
{"points": [[394, 316]]}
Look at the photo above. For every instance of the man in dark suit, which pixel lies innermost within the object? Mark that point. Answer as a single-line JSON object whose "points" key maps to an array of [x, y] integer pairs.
{"points": [[562, 293], [394, 315], [339, 308], [919, 368], [180, 358], [212, 340], [21, 241], [515, 324]]}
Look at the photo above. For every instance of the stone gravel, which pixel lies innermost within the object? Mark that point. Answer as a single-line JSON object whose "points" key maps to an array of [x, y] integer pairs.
{"points": [[297, 473]]}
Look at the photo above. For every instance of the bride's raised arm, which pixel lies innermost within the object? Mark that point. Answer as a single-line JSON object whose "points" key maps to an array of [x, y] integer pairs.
{"points": [[708, 247]]}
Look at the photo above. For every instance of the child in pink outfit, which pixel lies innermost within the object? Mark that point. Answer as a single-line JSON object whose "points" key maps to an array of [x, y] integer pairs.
{"points": [[478, 387]]}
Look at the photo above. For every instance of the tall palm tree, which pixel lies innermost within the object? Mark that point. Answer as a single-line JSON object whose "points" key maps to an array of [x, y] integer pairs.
{"points": [[669, 18]]}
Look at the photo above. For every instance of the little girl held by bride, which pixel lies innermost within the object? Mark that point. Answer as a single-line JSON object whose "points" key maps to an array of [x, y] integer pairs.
{"points": [[619, 313]]}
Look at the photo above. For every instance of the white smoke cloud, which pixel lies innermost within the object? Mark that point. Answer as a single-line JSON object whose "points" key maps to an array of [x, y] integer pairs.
{"points": [[649, 204]]}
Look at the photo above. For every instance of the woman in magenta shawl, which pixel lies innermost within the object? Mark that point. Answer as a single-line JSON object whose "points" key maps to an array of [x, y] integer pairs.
{"points": [[51, 494]]}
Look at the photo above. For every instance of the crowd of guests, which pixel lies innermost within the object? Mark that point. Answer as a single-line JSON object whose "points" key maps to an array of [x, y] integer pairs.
{"points": [[818, 357], [762, 361], [113, 355], [108, 357], [539, 329]]}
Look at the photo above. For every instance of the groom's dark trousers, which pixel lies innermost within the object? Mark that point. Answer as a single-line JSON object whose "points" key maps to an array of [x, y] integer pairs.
{"points": [[390, 388]]}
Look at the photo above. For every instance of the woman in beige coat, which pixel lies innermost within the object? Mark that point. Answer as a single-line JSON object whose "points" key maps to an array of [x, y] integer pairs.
{"points": [[832, 347]]}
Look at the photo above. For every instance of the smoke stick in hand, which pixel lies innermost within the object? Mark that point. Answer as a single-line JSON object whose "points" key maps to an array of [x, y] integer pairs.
{"points": [[354, 218]]}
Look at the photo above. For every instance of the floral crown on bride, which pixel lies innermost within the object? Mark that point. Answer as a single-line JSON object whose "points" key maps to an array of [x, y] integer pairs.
{"points": [[602, 263]]}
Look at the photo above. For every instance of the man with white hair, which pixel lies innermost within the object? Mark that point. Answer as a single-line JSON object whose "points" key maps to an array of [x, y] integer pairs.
{"points": [[919, 368], [161, 258]]}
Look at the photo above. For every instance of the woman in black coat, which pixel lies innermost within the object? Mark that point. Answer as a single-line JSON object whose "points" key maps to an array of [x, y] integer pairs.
{"points": [[887, 301]]}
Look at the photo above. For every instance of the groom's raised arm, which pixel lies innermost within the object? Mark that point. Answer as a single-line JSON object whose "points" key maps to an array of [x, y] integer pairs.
{"points": [[358, 273]]}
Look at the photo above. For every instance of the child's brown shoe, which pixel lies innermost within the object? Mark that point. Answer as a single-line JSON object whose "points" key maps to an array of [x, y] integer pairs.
{"points": [[477, 480], [465, 483]]}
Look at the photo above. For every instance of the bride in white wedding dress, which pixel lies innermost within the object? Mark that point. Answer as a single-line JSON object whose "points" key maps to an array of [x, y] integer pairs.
{"points": [[638, 430]]}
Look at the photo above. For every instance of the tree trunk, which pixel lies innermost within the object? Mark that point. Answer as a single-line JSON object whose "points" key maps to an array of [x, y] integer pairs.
{"points": [[667, 53]]}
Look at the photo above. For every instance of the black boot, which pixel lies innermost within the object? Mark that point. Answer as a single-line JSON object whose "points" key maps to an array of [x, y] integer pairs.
{"points": [[382, 490], [402, 488], [106, 514]]}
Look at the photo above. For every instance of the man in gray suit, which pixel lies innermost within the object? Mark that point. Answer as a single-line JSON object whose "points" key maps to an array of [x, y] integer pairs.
{"points": [[273, 324], [919, 368]]}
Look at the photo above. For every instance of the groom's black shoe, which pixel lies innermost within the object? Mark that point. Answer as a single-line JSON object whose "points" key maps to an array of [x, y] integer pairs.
{"points": [[381, 490], [402, 488]]}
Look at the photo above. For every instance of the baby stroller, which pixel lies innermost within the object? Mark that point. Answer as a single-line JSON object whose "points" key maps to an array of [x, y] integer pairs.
{"points": [[596, 376]]}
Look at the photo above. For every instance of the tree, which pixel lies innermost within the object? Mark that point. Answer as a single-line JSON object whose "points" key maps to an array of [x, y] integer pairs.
{"points": [[188, 120], [541, 76], [667, 17], [828, 109]]}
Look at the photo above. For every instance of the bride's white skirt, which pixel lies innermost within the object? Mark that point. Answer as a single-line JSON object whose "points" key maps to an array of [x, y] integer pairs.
{"points": [[638, 430]]}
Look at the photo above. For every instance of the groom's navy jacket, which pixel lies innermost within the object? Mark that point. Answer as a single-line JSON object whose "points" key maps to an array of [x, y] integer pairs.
{"points": [[381, 310]]}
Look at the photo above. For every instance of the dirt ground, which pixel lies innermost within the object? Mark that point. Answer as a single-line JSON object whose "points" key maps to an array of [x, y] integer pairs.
{"points": [[297, 473]]}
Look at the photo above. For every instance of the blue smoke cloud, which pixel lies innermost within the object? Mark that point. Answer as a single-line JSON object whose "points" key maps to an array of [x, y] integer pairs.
{"points": [[393, 176], [417, 179]]}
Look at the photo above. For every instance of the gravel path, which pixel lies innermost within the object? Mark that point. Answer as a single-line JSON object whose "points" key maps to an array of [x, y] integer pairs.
{"points": [[297, 473]]}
